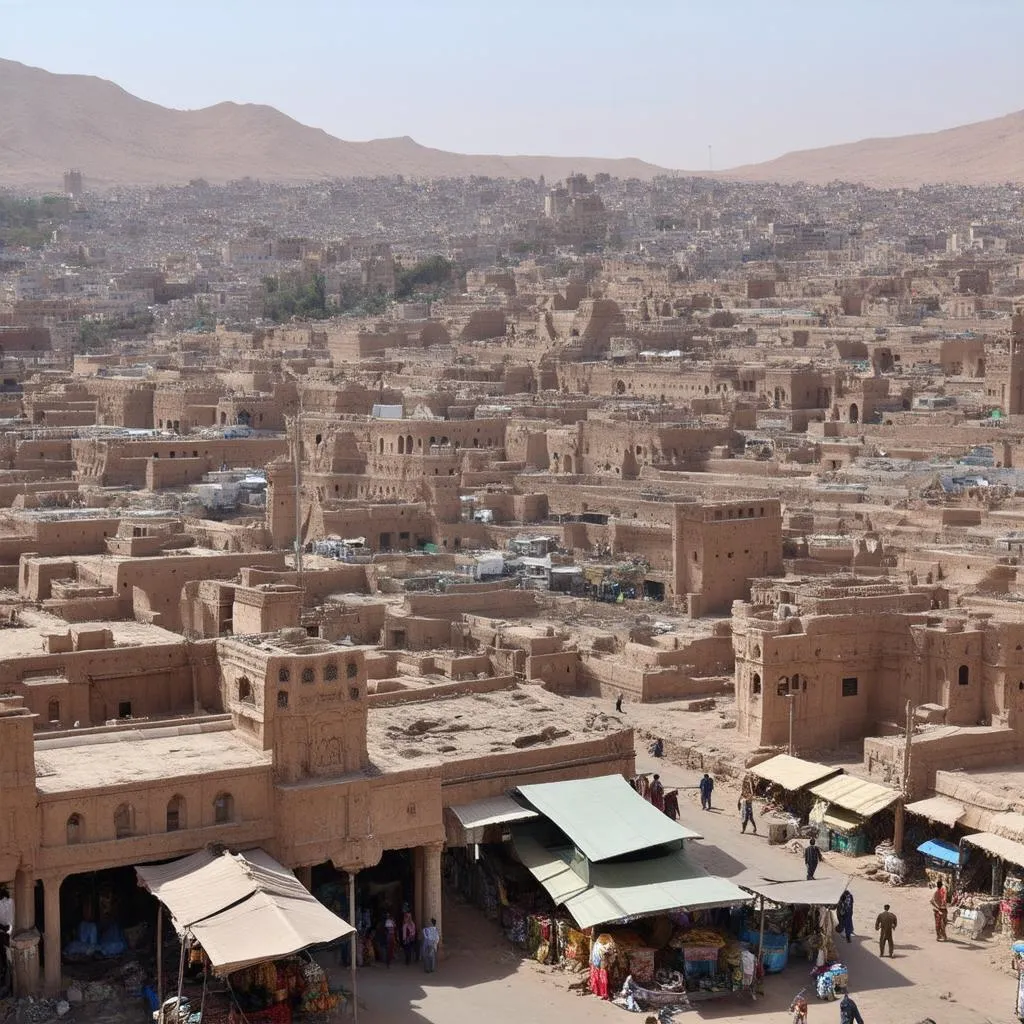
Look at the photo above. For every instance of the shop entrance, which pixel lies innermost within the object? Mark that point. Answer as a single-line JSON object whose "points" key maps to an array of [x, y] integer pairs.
{"points": [[106, 919]]}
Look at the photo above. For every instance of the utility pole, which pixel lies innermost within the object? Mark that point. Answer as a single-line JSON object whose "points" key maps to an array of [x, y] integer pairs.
{"points": [[897, 831], [791, 698]]}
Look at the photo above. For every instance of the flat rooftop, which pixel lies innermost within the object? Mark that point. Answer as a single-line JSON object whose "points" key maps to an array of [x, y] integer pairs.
{"points": [[432, 732], [26, 640], [139, 756]]}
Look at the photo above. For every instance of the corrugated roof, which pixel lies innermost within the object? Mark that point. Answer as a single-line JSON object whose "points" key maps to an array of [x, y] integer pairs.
{"points": [[856, 795], [998, 846], [1009, 824], [643, 887], [604, 817], [818, 892], [793, 773], [841, 820], [550, 867], [493, 810], [942, 809]]}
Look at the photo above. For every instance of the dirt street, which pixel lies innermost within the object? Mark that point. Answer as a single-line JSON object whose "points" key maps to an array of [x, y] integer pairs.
{"points": [[484, 979]]}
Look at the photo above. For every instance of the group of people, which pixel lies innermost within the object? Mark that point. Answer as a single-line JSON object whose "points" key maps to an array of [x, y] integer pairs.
{"points": [[849, 1013], [387, 936], [652, 789]]}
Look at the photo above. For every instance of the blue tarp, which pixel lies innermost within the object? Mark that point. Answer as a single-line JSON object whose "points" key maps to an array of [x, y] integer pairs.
{"points": [[938, 849]]}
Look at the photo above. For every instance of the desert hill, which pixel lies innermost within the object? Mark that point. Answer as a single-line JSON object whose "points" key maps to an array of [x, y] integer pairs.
{"points": [[983, 153], [50, 122]]}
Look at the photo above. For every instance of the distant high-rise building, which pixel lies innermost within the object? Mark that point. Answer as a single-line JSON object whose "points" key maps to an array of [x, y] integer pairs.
{"points": [[73, 183]]}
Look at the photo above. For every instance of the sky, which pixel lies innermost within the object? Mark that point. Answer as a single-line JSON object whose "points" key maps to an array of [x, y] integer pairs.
{"points": [[685, 84]]}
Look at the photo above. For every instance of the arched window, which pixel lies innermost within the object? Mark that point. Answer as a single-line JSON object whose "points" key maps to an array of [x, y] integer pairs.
{"points": [[330, 672], [75, 829], [283, 675], [963, 676], [783, 687], [176, 813], [351, 670], [245, 691], [308, 675], [124, 821], [757, 683], [223, 808]]}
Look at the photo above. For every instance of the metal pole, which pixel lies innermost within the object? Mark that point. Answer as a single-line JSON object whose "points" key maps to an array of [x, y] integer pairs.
{"points": [[355, 936], [160, 954], [791, 699], [761, 936]]}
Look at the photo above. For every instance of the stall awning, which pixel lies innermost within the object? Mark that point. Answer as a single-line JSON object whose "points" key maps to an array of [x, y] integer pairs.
{"points": [[818, 892], [646, 887], [550, 867], [842, 820], [793, 773], [274, 916], [196, 886], [468, 821], [939, 849], [858, 796], [942, 809], [604, 817], [999, 846]]}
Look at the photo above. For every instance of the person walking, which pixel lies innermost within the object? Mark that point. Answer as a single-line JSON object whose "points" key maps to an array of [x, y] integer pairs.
{"points": [[844, 914], [658, 793], [390, 938], [707, 787], [431, 941], [885, 925], [618, 703], [408, 936], [940, 909], [799, 1007], [745, 805], [812, 858], [848, 1011]]}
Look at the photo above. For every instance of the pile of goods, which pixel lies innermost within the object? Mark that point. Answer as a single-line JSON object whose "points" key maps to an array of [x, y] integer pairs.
{"points": [[1011, 908]]}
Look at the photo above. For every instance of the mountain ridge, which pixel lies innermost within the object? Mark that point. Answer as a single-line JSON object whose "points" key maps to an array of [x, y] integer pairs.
{"points": [[51, 122]]}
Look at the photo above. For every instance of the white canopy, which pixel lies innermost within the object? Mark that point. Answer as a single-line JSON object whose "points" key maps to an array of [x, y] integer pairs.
{"points": [[241, 908]]}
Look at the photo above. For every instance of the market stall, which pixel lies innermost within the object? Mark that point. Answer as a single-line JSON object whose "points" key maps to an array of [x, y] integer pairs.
{"points": [[801, 922], [855, 814], [242, 921], [784, 782]]}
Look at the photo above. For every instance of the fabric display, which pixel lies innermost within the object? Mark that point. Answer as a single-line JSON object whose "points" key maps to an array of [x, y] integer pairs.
{"points": [[641, 963]]}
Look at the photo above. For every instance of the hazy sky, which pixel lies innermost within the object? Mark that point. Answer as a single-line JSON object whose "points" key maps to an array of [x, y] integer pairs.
{"points": [[657, 79]]}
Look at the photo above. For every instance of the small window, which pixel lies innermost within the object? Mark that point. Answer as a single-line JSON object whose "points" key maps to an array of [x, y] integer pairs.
{"points": [[353, 692], [283, 675], [308, 675], [124, 821], [53, 712], [330, 672], [282, 699], [351, 670], [175, 813], [245, 691], [783, 686], [850, 686], [75, 829], [223, 808], [756, 683], [963, 675]]}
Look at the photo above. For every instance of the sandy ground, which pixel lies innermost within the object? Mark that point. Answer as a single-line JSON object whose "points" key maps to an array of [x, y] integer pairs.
{"points": [[483, 979]]}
